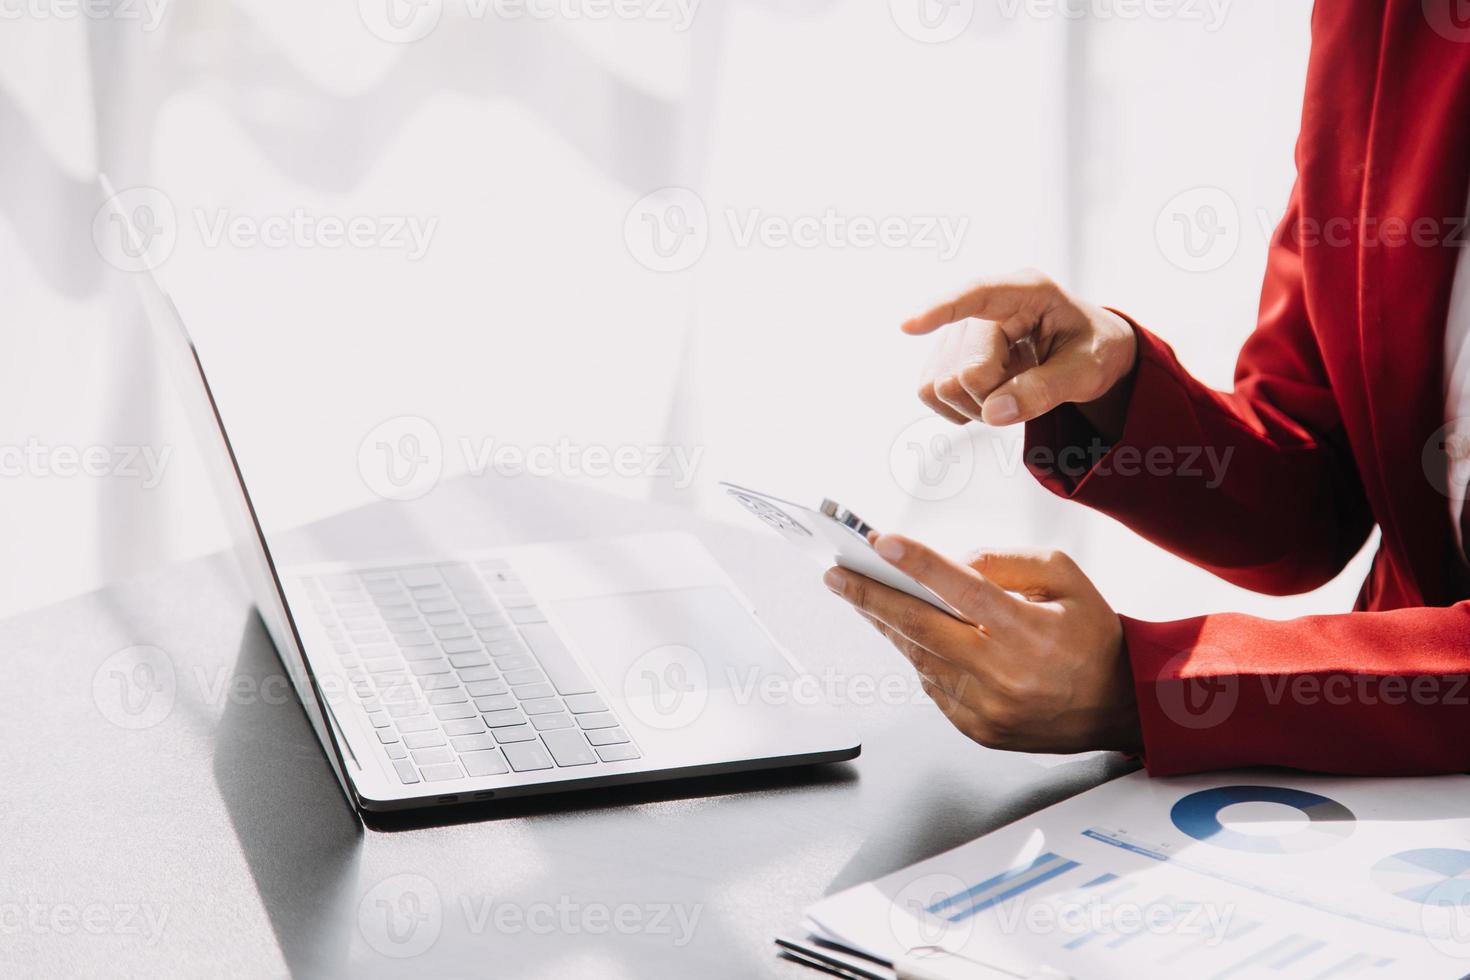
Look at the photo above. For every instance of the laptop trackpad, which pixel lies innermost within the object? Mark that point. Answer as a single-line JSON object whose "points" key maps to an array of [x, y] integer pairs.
{"points": [[648, 644]]}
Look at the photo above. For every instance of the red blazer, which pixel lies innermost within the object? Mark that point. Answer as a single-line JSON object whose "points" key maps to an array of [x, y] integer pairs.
{"points": [[1337, 393]]}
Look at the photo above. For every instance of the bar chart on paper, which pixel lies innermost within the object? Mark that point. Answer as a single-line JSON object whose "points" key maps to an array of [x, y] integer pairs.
{"points": [[1291, 878], [1108, 916]]}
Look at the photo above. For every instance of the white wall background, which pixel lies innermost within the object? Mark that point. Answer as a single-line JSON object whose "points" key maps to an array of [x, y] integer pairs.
{"points": [[525, 143]]}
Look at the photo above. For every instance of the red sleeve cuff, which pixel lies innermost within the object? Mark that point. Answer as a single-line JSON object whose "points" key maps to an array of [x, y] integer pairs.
{"points": [[1070, 458]]}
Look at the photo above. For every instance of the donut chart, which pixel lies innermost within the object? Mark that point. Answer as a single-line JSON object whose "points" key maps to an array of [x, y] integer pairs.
{"points": [[1426, 876], [1328, 821]]}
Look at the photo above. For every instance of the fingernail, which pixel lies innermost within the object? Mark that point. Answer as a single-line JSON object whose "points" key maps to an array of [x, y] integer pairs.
{"points": [[835, 580], [1002, 409], [889, 548]]}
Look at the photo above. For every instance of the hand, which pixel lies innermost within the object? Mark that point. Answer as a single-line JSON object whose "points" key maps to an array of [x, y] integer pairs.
{"points": [[1043, 671], [1030, 348]]}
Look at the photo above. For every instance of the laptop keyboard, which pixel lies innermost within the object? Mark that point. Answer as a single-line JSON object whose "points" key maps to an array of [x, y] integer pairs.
{"points": [[460, 675]]}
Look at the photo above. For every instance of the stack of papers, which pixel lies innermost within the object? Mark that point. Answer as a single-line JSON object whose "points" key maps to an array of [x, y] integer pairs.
{"points": [[1238, 875]]}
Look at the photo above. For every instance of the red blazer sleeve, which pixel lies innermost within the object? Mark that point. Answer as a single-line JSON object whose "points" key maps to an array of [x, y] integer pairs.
{"points": [[1362, 693], [1256, 485]]}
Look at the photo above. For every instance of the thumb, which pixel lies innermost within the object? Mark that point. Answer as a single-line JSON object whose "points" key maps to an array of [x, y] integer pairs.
{"points": [[1038, 390], [1046, 574]]}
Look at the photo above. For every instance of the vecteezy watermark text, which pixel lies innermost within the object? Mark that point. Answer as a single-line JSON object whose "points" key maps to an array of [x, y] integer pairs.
{"points": [[404, 457], [35, 917], [669, 230], [147, 13], [138, 228], [407, 21], [1207, 463], [403, 915], [33, 458]]}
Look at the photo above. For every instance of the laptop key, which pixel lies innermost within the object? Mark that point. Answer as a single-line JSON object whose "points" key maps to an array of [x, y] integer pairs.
{"points": [[557, 660], [473, 743], [504, 719], [541, 706], [529, 675], [519, 733], [617, 753], [433, 756], [607, 736], [468, 674], [527, 614], [396, 751], [600, 719], [438, 682], [490, 763], [387, 735], [462, 660], [400, 618], [449, 712], [407, 774], [466, 645], [452, 696], [569, 748], [436, 773], [482, 689], [492, 627], [514, 661], [464, 726], [421, 667], [495, 702], [421, 724], [547, 723], [527, 692], [417, 638], [423, 740], [451, 632], [526, 756], [412, 577], [580, 704]]}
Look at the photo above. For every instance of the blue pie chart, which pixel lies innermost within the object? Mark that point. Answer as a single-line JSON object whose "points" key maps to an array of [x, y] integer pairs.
{"points": [[1426, 876], [1328, 821]]}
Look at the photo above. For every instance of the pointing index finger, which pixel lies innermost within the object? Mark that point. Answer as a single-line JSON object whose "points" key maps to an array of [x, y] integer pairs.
{"points": [[998, 300]]}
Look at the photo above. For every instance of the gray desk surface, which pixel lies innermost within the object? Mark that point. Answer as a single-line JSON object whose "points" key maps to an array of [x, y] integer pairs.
{"points": [[215, 841]]}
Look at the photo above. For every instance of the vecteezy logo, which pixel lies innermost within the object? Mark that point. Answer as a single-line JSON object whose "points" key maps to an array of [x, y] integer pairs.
{"points": [[1444, 910], [135, 687], [932, 21], [401, 459], [1197, 703], [401, 916], [918, 929], [668, 230], [400, 21], [1199, 230], [135, 229], [1450, 19], [1446, 459], [932, 460], [667, 687]]}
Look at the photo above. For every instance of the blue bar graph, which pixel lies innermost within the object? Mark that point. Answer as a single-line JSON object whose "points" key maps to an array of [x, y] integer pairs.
{"points": [[997, 889]]}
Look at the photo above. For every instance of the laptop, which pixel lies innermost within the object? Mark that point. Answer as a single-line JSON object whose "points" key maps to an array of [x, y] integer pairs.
{"points": [[447, 679]]}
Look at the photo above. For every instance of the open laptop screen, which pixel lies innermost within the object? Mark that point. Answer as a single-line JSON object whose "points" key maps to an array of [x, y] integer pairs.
{"points": [[187, 372]]}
